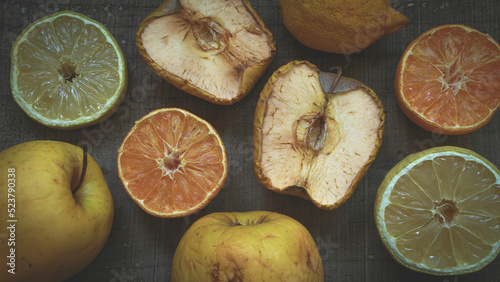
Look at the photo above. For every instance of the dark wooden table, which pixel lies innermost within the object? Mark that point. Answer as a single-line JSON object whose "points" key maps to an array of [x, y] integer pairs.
{"points": [[140, 247]]}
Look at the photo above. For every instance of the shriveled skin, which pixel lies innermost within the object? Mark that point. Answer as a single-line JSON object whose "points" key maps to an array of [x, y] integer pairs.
{"points": [[339, 26], [209, 45], [247, 246], [285, 161]]}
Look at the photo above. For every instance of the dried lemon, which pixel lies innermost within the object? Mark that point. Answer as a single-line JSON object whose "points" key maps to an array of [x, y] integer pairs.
{"points": [[342, 27]]}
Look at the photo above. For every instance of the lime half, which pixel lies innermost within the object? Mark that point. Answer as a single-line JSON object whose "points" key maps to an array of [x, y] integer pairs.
{"points": [[67, 71], [438, 211]]}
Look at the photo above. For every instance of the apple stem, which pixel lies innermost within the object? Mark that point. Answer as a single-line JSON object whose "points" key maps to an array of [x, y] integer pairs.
{"points": [[84, 168], [337, 77]]}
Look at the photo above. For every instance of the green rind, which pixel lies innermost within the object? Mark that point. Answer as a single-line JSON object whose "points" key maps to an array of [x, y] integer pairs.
{"points": [[379, 215], [106, 112]]}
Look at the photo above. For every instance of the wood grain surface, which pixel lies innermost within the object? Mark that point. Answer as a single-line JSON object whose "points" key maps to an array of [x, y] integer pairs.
{"points": [[140, 247]]}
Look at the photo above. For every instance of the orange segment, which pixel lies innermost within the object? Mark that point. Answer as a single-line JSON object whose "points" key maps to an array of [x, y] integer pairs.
{"points": [[448, 79], [172, 163], [438, 211]]}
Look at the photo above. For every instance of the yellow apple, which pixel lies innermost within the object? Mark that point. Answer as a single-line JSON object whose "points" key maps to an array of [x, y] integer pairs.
{"points": [[247, 246], [55, 225]]}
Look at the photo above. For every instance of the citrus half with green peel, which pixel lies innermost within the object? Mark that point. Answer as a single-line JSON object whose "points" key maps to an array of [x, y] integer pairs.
{"points": [[437, 211], [67, 71]]}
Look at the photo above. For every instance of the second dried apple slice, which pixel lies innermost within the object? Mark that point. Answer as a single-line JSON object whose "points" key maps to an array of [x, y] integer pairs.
{"points": [[215, 50], [313, 141]]}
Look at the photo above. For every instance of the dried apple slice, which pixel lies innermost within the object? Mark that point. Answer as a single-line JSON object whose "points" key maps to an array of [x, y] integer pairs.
{"points": [[315, 134], [215, 50]]}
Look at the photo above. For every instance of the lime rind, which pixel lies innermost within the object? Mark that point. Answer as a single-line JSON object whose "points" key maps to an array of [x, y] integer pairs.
{"points": [[105, 110], [386, 188]]}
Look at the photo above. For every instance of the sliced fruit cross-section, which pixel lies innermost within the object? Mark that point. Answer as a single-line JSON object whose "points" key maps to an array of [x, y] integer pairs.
{"points": [[437, 211], [448, 79], [312, 142], [172, 163], [67, 71], [215, 50]]}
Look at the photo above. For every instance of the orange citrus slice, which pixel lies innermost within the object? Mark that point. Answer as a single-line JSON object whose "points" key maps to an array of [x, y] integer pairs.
{"points": [[447, 80], [67, 71], [172, 163], [437, 211]]}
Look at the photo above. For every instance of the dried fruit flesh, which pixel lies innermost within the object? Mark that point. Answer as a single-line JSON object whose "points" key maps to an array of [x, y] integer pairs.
{"points": [[313, 143], [215, 50]]}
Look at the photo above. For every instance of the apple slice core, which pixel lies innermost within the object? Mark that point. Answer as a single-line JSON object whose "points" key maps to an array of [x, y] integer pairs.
{"points": [[311, 131], [210, 35]]}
